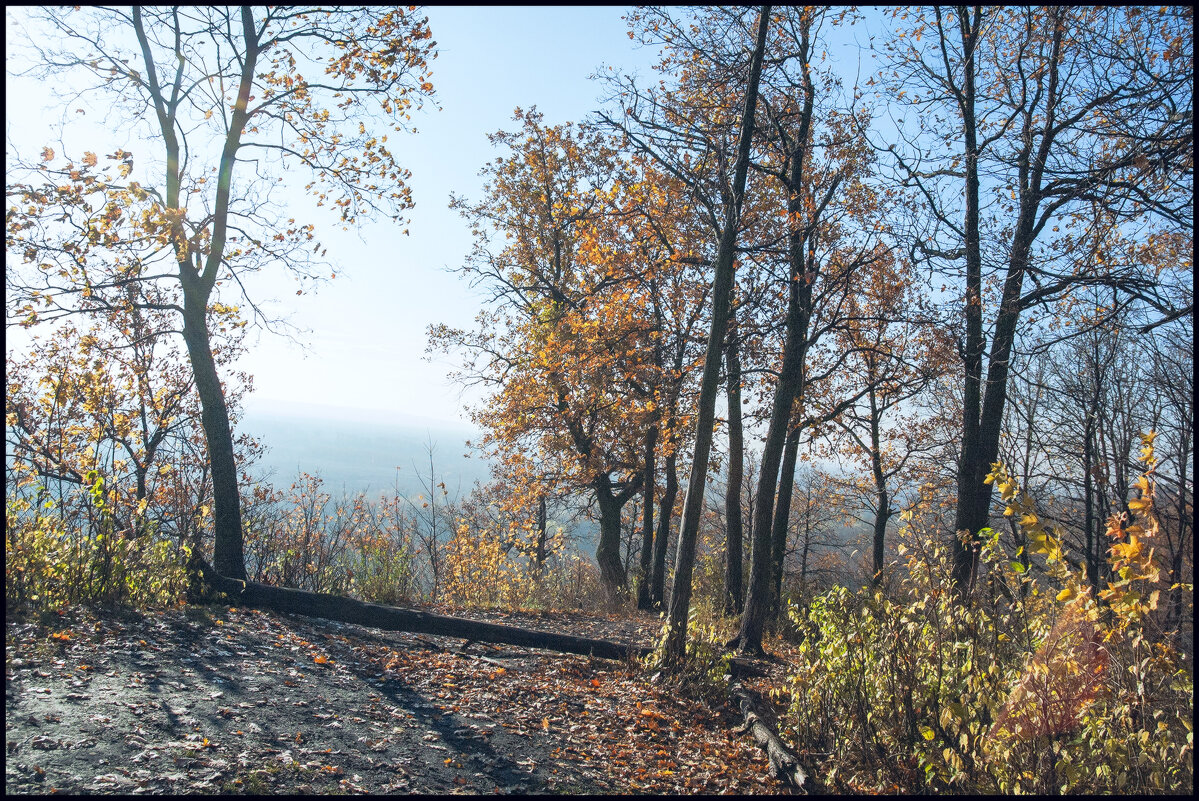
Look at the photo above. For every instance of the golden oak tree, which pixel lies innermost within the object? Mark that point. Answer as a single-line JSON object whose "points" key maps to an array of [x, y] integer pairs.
{"points": [[567, 340]]}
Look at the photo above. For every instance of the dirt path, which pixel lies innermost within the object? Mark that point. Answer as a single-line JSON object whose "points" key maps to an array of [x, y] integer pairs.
{"points": [[229, 700]]}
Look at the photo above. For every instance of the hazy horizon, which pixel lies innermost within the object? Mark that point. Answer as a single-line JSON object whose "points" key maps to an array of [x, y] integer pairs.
{"points": [[359, 449]]}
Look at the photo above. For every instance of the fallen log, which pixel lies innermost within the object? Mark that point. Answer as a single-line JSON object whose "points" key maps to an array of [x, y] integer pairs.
{"points": [[394, 618], [783, 763]]}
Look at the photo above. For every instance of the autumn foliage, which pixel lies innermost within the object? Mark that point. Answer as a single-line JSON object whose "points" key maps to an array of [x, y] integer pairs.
{"points": [[852, 372], [1029, 689]]}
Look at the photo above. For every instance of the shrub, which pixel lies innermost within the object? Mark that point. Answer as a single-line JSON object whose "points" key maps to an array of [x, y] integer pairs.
{"points": [[479, 572], [49, 563], [1018, 688]]}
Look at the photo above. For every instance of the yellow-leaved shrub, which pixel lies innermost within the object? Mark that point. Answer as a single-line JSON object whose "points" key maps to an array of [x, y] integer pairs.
{"points": [[479, 572], [49, 564], [1024, 685]]}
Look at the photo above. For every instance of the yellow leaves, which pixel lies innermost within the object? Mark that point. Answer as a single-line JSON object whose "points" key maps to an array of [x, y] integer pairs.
{"points": [[89, 159], [1144, 504], [47, 154], [1127, 551]]}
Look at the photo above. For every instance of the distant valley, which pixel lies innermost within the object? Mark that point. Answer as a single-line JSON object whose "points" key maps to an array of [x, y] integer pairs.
{"points": [[359, 452]]}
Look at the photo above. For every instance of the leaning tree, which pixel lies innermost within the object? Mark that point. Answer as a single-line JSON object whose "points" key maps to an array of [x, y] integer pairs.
{"points": [[233, 105]]}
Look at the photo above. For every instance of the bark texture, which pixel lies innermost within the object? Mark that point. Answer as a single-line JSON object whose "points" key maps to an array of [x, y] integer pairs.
{"points": [[784, 764]]}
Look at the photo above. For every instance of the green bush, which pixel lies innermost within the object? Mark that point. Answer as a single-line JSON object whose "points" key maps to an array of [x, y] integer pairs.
{"points": [[49, 563], [1021, 689]]}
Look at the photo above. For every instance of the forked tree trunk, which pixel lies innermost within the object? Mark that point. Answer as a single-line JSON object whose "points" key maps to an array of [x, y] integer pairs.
{"points": [[974, 497], [197, 285], [607, 552], [790, 383]]}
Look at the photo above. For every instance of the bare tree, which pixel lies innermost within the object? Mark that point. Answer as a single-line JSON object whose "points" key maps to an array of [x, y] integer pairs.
{"points": [[1066, 137]]}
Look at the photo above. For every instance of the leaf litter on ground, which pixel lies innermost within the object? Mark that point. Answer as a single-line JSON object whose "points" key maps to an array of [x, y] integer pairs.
{"points": [[223, 699]]}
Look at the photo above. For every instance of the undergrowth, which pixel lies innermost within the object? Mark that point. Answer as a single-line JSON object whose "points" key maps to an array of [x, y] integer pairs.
{"points": [[1028, 685], [50, 564]]}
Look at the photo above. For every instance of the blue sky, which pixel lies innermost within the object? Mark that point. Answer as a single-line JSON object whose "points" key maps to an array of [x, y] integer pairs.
{"points": [[365, 339]]}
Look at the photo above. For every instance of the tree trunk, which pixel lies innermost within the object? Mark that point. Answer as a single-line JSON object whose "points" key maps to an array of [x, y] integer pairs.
{"points": [[662, 538], [227, 554], [782, 520], [1184, 529], [882, 511], [734, 597], [971, 512], [1089, 517], [790, 383], [607, 552], [974, 499], [783, 763], [760, 571], [647, 522], [540, 554], [881, 516], [680, 597], [974, 508], [806, 548]]}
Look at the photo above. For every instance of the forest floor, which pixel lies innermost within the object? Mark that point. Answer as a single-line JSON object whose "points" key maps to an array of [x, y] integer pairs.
{"points": [[218, 699]]}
